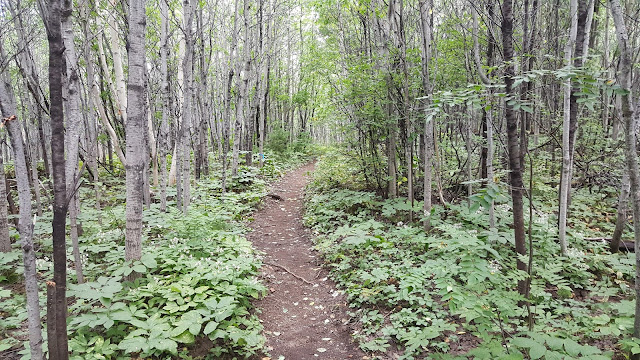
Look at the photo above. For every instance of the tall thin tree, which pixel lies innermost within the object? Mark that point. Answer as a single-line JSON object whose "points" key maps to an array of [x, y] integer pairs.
{"points": [[25, 226], [629, 114], [513, 143], [135, 129]]}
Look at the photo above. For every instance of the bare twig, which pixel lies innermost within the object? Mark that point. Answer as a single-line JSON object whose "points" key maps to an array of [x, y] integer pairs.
{"points": [[289, 271]]}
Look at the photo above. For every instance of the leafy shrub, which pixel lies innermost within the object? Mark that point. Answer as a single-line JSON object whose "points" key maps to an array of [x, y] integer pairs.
{"points": [[199, 275], [336, 171], [278, 141], [425, 292], [302, 144]]}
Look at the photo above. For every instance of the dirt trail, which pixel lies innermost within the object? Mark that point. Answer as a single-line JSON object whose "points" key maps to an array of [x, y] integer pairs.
{"points": [[304, 316]]}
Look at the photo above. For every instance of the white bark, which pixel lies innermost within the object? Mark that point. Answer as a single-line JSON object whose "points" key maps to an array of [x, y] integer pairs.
{"points": [[425, 11], [242, 105], [630, 116], [187, 108], [95, 95], [5, 240], [135, 130], [25, 226], [164, 132], [73, 126], [490, 177], [566, 153], [92, 125], [116, 51]]}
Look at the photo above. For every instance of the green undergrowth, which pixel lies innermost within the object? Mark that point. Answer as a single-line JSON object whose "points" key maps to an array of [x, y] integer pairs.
{"points": [[452, 292], [198, 276]]}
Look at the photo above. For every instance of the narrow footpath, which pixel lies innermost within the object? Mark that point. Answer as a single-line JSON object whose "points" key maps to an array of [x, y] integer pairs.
{"points": [[303, 314]]}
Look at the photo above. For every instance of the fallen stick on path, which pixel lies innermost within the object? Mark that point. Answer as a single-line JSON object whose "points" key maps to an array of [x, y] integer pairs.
{"points": [[275, 197], [289, 271]]}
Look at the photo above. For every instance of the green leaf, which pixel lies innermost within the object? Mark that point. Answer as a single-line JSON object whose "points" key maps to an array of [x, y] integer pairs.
{"points": [[589, 350], [135, 344], [185, 338], [537, 351], [572, 348], [555, 343], [195, 329], [149, 261], [139, 268], [167, 345], [524, 342], [212, 325], [474, 207]]}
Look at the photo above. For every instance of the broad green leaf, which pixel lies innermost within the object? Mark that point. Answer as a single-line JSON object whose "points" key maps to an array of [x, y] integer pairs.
{"points": [[185, 338], [537, 351], [572, 348], [149, 261], [211, 325], [139, 268]]}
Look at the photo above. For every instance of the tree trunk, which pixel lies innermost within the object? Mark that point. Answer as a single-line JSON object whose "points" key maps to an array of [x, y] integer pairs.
{"points": [[73, 129], [630, 115], [56, 290], [264, 107], [164, 94], [29, 71], [621, 219], [135, 130], [5, 240], [25, 227], [513, 144], [605, 65], [121, 93], [565, 180], [187, 108], [242, 106], [426, 23], [487, 117], [226, 118], [92, 125]]}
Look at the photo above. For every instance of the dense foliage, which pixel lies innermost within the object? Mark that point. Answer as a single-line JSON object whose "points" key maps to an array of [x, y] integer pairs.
{"points": [[199, 276], [452, 292]]}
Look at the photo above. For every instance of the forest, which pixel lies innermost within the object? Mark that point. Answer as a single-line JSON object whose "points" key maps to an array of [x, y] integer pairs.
{"points": [[332, 179]]}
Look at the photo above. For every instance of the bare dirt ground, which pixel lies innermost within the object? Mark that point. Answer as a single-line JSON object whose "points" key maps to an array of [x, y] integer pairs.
{"points": [[303, 314]]}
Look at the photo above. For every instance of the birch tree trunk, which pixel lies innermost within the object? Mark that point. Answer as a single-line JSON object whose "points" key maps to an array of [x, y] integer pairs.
{"points": [[92, 125], [488, 118], [241, 107], [116, 51], [605, 65], [25, 225], [135, 130], [29, 71], [226, 118], [426, 7], [264, 99], [565, 181], [34, 164], [187, 108], [5, 240], [73, 127], [629, 114], [164, 131]]}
